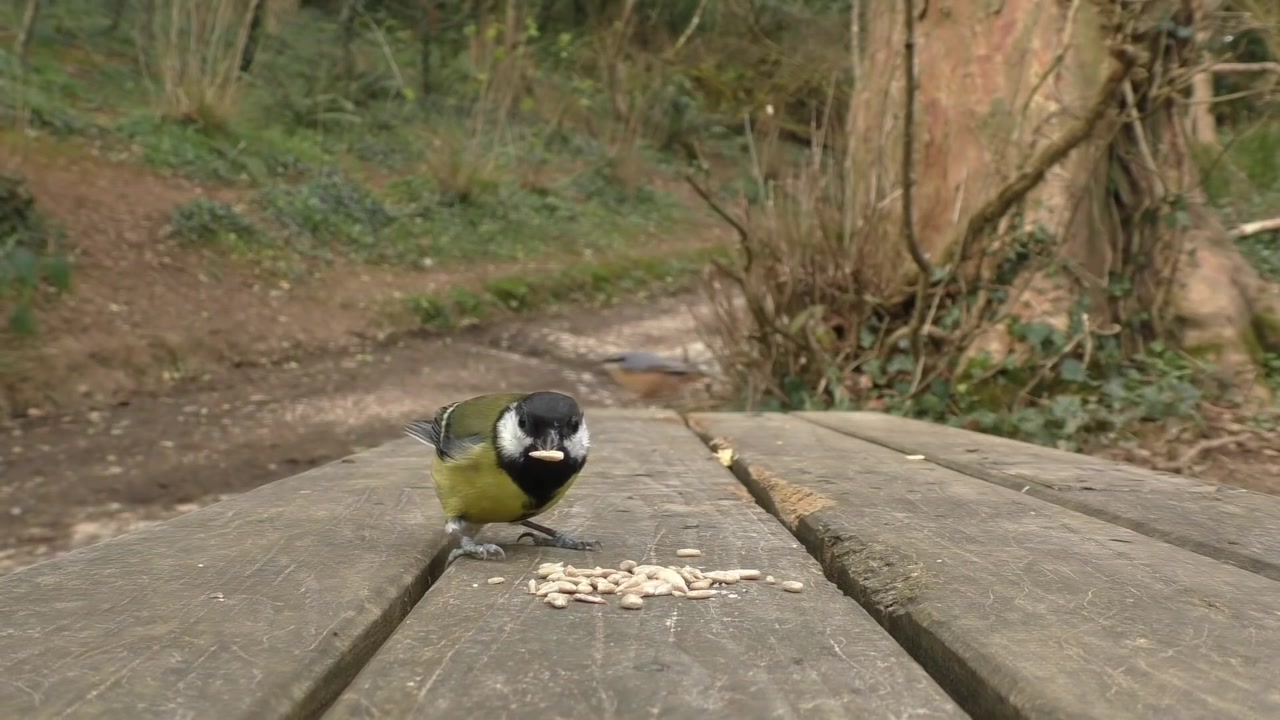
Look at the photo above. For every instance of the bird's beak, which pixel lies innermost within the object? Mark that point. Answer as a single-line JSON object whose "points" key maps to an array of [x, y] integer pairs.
{"points": [[548, 455]]}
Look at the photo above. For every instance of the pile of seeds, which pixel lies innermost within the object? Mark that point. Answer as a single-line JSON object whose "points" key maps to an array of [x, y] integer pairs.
{"points": [[560, 584]]}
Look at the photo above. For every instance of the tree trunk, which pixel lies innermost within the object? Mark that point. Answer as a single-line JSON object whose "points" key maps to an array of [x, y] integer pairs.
{"points": [[28, 28], [428, 19], [146, 32], [1053, 185], [347, 40], [118, 8], [250, 49], [1003, 90]]}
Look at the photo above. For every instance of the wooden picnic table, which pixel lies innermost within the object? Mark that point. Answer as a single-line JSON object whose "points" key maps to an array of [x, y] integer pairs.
{"points": [[986, 579]]}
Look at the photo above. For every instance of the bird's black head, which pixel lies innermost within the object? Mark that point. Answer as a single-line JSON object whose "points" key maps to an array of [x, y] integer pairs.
{"points": [[542, 442], [543, 422]]}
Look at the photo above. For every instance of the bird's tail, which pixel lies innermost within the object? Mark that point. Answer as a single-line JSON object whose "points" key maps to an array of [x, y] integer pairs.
{"points": [[424, 431]]}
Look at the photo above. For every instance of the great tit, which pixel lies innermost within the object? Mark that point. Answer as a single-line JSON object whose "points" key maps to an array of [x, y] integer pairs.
{"points": [[505, 457]]}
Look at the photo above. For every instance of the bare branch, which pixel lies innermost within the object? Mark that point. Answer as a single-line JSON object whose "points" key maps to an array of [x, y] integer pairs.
{"points": [[1254, 67], [1257, 227], [1048, 155], [688, 31], [908, 114], [718, 209], [1190, 456], [918, 320]]}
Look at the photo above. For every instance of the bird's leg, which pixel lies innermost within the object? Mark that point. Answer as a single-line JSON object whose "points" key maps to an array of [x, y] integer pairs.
{"points": [[555, 538], [469, 547]]}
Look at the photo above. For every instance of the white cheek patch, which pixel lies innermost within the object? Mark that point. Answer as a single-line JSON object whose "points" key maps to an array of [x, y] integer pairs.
{"points": [[577, 443], [511, 440]]}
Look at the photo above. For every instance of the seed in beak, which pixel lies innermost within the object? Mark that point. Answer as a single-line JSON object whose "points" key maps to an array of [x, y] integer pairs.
{"points": [[548, 455]]}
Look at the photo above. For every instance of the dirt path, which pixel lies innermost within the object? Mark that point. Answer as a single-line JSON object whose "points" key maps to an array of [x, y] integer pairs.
{"points": [[66, 482]]}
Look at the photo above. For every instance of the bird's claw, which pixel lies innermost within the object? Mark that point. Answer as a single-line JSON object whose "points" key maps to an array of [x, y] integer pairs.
{"points": [[485, 551], [560, 540]]}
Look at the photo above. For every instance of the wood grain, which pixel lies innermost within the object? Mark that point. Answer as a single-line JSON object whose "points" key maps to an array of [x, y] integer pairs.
{"points": [[1226, 523], [473, 650], [259, 607], [1020, 607]]}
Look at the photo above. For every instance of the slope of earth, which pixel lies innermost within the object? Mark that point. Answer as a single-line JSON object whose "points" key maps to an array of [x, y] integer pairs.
{"points": [[148, 313]]}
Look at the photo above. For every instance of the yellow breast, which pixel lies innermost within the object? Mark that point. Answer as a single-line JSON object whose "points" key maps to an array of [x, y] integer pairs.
{"points": [[475, 488]]}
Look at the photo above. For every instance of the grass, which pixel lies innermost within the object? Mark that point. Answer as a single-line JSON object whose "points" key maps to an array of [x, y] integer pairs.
{"points": [[414, 222], [584, 283]]}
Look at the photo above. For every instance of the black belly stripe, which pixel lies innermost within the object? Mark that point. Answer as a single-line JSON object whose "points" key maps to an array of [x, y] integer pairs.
{"points": [[538, 479]]}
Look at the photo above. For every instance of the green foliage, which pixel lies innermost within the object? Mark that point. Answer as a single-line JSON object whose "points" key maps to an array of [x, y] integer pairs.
{"points": [[225, 154], [38, 97], [329, 211], [1056, 394], [1263, 252], [511, 222], [582, 283], [1066, 403], [28, 258], [206, 222]]}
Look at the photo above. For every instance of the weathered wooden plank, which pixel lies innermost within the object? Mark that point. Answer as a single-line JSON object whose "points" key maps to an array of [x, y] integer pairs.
{"points": [[1022, 608], [1230, 524], [472, 650], [261, 606]]}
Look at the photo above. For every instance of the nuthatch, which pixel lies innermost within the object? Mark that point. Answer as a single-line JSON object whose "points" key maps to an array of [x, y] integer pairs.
{"points": [[650, 376]]}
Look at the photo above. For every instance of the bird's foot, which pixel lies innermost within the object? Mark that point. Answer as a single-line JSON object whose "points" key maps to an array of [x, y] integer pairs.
{"points": [[560, 540], [479, 551]]}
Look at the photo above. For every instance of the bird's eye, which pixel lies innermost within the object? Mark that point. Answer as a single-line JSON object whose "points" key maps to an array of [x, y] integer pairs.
{"points": [[574, 424], [522, 422]]}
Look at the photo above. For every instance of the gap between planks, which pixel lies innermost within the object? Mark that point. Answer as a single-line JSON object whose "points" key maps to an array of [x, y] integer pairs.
{"points": [[469, 649], [1221, 522], [961, 682], [969, 663]]}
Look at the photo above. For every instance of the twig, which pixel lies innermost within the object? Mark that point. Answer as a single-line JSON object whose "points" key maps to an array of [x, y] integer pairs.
{"points": [[386, 49], [849, 183], [1187, 458], [908, 121], [1254, 67], [1046, 368], [908, 225], [1064, 43], [1257, 227], [1144, 147], [1222, 98], [688, 31], [715, 206]]}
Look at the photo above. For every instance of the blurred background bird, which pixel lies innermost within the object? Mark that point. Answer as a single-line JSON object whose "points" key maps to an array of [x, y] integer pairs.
{"points": [[651, 376]]}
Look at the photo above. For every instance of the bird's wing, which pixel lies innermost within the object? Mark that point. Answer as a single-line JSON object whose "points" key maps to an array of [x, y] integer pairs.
{"points": [[428, 431], [642, 361], [451, 433]]}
